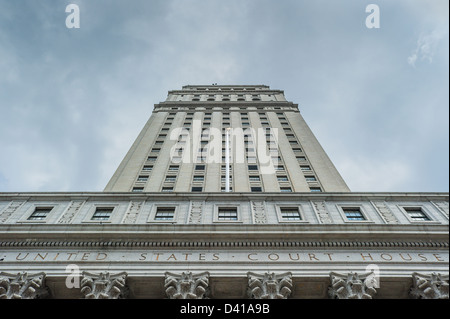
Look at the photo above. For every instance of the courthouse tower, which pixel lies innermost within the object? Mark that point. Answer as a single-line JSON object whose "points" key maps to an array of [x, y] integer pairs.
{"points": [[226, 193], [265, 130]]}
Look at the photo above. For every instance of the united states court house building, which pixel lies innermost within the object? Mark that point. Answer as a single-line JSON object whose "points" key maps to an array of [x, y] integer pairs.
{"points": [[225, 194]]}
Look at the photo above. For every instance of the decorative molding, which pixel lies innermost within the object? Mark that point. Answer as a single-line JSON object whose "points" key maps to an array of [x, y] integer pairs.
{"points": [[104, 285], [133, 212], [23, 286], [186, 285], [195, 215], [125, 243], [259, 212], [351, 286], [71, 211], [443, 206], [269, 285], [322, 212], [385, 212], [433, 286], [9, 210]]}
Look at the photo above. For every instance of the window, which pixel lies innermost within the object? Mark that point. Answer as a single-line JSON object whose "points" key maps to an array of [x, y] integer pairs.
{"points": [[310, 179], [147, 168], [173, 168], [40, 213], [227, 214], [152, 158], [197, 189], [283, 179], [256, 189], [167, 189], [301, 158], [165, 213], [353, 214], [138, 189], [315, 189], [253, 167], [305, 168], [170, 179], [286, 189], [416, 214], [254, 178], [142, 178], [200, 167], [199, 178], [102, 213], [290, 213]]}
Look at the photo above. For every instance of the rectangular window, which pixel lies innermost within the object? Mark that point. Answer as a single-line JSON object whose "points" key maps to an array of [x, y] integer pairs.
{"points": [[102, 213], [170, 179], [305, 168], [165, 213], [147, 168], [152, 158], [290, 213], [283, 179], [301, 159], [416, 214], [138, 189], [142, 178], [254, 178], [315, 189], [199, 178], [167, 189], [40, 213], [200, 167], [253, 167], [197, 189], [353, 214], [256, 189], [310, 179], [173, 168], [286, 189], [228, 214]]}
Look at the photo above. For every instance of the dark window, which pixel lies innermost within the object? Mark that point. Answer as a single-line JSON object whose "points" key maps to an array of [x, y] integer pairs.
{"points": [[353, 214], [227, 213], [290, 213], [256, 189], [40, 213], [416, 214], [102, 213], [197, 189], [165, 213]]}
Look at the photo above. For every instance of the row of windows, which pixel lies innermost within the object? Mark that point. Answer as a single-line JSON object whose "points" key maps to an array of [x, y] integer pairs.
{"points": [[415, 214]]}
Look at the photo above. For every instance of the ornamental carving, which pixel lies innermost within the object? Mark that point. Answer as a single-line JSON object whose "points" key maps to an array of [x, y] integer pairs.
{"points": [[9, 210], [352, 286], [187, 285], [269, 285], [132, 213], [104, 285], [385, 212], [259, 212], [70, 213], [434, 286], [195, 216], [322, 212], [23, 286]]}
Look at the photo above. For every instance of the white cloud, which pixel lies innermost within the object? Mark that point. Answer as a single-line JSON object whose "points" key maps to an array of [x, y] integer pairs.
{"points": [[426, 47]]}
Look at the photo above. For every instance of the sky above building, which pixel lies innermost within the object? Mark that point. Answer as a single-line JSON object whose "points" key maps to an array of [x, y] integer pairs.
{"points": [[73, 100]]}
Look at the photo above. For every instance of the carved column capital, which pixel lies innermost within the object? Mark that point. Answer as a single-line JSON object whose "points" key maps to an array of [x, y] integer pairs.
{"points": [[269, 285], [22, 286], [187, 285], [104, 285], [433, 286], [351, 286]]}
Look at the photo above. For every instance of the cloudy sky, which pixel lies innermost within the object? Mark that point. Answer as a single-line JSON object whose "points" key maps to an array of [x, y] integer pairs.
{"points": [[72, 101]]}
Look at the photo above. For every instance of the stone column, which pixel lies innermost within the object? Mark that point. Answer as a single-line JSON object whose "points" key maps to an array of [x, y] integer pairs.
{"points": [[104, 285], [434, 286], [23, 286], [269, 285], [352, 286], [187, 285]]}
